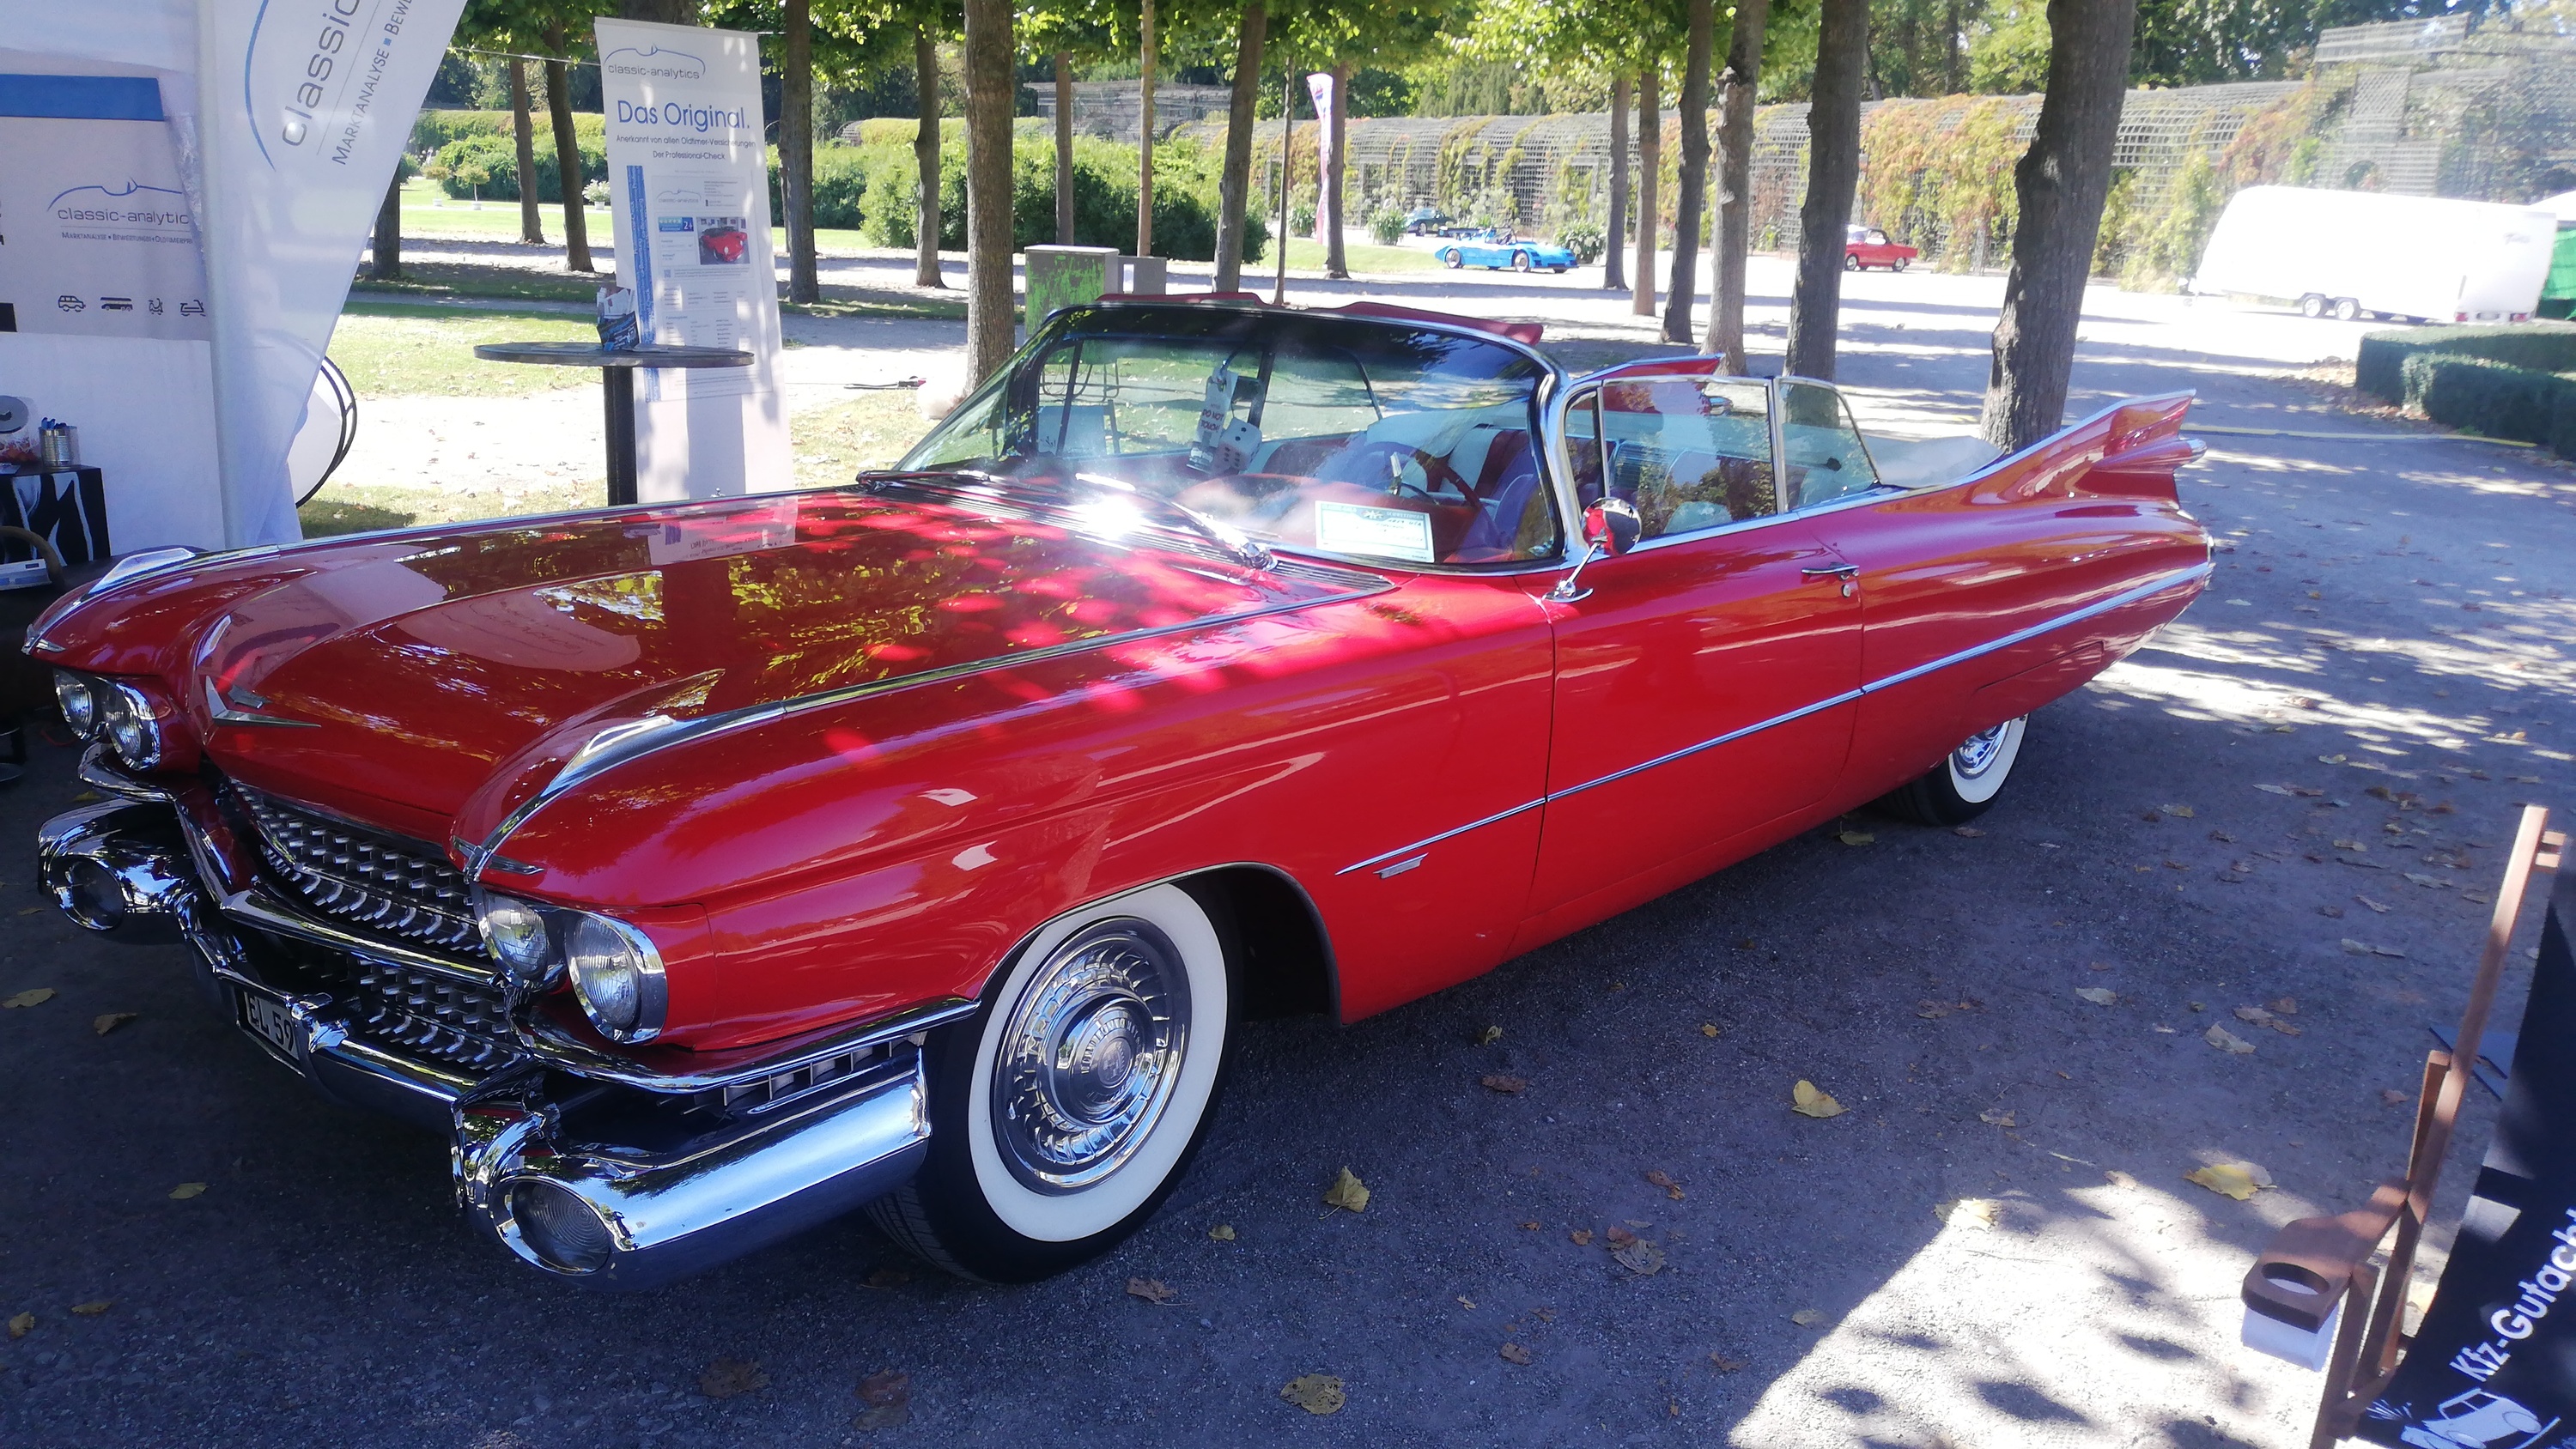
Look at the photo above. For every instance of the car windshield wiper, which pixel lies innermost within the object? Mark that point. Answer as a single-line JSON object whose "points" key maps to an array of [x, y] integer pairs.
{"points": [[1232, 543]]}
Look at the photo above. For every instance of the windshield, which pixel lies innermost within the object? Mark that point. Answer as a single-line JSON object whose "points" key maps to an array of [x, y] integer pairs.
{"points": [[1349, 437]]}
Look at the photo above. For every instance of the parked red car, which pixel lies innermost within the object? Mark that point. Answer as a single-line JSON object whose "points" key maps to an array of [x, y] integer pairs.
{"points": [[706, 870], [1866, 246]]}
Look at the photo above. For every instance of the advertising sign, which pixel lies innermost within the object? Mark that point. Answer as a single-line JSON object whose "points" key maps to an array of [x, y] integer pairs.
{"points": [[101, 240], [689, 186], [2494, 1364], [1319, 89]]}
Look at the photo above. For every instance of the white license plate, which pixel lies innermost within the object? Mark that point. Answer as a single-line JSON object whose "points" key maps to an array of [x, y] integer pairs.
{"points": [[267, 1018]]}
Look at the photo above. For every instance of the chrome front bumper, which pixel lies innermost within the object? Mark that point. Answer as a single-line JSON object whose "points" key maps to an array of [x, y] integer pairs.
{"points": [[625, 1180]]}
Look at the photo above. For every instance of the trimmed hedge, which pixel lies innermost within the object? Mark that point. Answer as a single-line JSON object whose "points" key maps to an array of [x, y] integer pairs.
{"points": [[2540, 346], [488, 166]]}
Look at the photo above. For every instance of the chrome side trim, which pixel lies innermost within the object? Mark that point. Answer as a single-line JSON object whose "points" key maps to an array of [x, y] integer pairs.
{"points": [[99, 772], [636, 745], [555, 1048], [2149, 589]]}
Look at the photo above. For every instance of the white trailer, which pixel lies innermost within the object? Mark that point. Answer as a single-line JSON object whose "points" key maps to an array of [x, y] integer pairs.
{"points": [[2353, 254]]}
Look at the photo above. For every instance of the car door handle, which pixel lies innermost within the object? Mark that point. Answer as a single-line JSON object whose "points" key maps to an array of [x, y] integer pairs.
{"points": [[1832, 571]]}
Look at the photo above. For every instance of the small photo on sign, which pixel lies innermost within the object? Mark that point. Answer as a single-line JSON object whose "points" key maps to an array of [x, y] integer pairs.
{"points": [[723, 242], [1376, 532]]}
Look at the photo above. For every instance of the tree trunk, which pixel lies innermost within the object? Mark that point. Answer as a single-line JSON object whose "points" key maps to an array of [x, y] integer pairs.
{"points": [[1234, 182], [567, 152], [1650, 160], [1145, 131], [1063, 149], [1954, 67], [1734, 237], [523, 133], [2061, 182], [989, 323], [1328, 218], [1690, 205], [1833, 171], [384, 262], [1614, 252], [796, 150], [925, 159], [1287, 174]]}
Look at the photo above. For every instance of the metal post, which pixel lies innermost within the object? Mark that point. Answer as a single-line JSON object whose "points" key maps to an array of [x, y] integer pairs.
{"points": [[1287, 148], [620, 385]]}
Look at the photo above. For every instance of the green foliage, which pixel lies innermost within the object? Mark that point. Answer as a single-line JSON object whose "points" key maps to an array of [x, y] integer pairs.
{"points": [[2484, 396], [2539, 346], [1940, 177], [874, 188], [435, 129], [1585, 240], [488, 166], [2009, 54], [1301, 218], [1386, 227]]}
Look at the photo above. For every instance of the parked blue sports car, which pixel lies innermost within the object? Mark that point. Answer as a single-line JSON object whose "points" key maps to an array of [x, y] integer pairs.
{"points": [[1495, 252]]}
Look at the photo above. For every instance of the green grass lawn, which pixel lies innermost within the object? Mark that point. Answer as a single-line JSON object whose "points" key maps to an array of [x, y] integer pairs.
{"points": [[391, 350], [428, 212], [1308, 256]]}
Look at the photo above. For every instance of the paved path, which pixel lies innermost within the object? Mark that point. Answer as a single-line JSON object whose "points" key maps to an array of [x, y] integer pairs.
{"points": [[2390, 622]]}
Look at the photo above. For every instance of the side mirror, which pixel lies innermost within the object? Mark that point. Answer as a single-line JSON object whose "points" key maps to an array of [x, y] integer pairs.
{"points": [[1612, 525]]}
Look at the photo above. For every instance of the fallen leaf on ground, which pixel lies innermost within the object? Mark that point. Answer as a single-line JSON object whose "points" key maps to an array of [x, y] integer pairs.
{"points": [[1497, 1082], [22, 1325], [888, 1396], [2355, 846], [1489, 1036], [2253, 1016], [1970, 831], [1315, 1393], [727, 1377], [1640, 1257], [1514, 1353], [1708, 1028], [2329, 910], [1931, 1010], [1222, 1232], [103, 1024], [2227, 1041], [2117, 1178], [37, 997], [1967, 1212], [2429, 882], [2374, 905], [1664, 1180], [1466, 1302], [1347, 1193], [93, 1308], [2276, 789], [2181, 811], [1997, 1117], [1807, 1101], [2226, 1178], [2352, 947], [889, 1277], [1857, 837], [1152, 1290], [1807, 1317], [2098, 995], [2286, 1006], [1618, 1237], [2169, 1031], [1582, 1237], [1725, 1365], [2390, 1097], [187, 1190]]}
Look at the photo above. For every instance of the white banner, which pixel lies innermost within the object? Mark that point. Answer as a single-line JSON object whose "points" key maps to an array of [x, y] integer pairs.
{"points": [[306, 110], [1319, 88], [688, 179]]}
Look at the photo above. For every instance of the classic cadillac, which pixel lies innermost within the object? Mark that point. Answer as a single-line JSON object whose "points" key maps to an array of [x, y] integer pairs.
{"points": [[704, 871]]}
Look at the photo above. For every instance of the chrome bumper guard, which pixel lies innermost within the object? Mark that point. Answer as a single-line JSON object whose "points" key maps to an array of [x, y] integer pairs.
{"points": [[611, 1215]]}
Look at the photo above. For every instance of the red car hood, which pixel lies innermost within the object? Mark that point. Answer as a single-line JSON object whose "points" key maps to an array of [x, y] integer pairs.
{"points": [[392, 677]]}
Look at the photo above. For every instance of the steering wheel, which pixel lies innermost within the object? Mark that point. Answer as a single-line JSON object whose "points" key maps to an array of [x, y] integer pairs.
{"points": [[1354, 467]]}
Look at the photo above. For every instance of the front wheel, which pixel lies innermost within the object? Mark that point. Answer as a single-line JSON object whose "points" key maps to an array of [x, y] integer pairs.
{"points": [[2347, 309], [2312, 305], [1963, 786], [1451, 258], [1520, 261], [1064, 1111]]}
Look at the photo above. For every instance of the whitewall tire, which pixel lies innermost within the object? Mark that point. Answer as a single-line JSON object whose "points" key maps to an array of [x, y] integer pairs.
{"points": [[1964, 785], [1065, 1110]]}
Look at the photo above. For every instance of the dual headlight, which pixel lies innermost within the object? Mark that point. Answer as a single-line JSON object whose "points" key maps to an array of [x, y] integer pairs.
{"points": [[616, 974], [123, 713]]}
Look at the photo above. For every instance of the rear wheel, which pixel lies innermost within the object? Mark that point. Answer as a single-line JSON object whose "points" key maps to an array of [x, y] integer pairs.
{"points": [[1064, 1111], [1520, 261], [2312, 305], [1451, 258], [2347, 309], [1560, 271], [1963, 786], [1899, 264]]}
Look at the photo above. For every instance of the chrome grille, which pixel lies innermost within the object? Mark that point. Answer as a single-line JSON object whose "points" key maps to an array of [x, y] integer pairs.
{"points": [[403, 889], [454, 1021]]}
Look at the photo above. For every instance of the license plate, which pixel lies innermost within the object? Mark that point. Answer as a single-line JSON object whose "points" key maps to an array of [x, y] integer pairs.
{"points": [[267, 1018]]}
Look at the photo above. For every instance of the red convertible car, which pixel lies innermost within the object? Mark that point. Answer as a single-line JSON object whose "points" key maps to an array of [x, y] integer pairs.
{"points": [[703, 871], [1865, 247]]}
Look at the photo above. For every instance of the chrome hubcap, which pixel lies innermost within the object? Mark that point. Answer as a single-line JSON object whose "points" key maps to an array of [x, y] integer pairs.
{"points": [[1089, 1055], [1977, 756]]}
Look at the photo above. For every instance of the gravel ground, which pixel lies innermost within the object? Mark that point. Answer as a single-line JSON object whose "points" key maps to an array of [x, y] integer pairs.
{"points": [[2386, 631]]}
